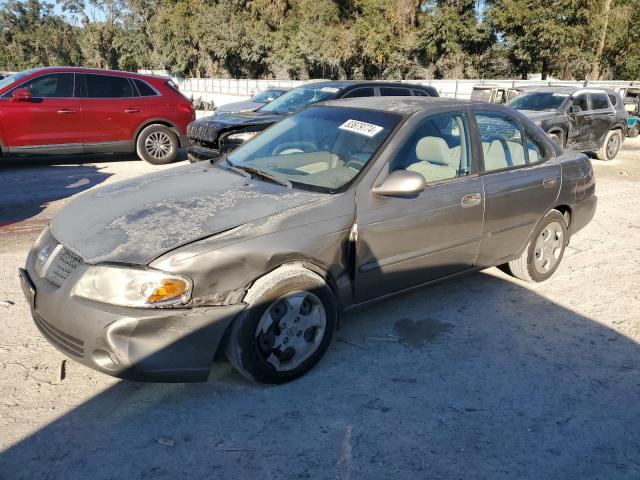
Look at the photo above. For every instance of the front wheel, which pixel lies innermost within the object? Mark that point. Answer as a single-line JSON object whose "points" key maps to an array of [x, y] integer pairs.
{"points": [[611, 145], [286, 329], [157, 144], [544, 251]]}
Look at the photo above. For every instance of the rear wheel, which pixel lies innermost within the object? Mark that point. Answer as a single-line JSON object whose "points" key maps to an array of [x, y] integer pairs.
{"points": [[557, 137], [544, 251], [285, 330], [157, 144], [634, 131], [610, 146]]}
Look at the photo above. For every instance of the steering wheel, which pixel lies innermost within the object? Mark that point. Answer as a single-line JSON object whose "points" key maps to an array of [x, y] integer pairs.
{"points": [[294, 147]]}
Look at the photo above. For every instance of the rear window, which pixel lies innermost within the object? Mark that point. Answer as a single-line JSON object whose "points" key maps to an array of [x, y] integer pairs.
{"points": [[144, 89], [107, 86]]}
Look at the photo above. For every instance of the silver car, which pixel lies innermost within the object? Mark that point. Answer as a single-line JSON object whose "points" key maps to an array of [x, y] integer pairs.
{"points": [[254, 103], [255, 256]]}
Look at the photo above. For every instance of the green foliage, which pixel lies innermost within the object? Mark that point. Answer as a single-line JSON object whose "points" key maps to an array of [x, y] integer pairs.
{"points": [[325, 38]]}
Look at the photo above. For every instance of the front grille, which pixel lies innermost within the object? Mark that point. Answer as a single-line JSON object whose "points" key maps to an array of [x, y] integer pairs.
{"points": [[65, 342], [201, 131], [62, 266]]}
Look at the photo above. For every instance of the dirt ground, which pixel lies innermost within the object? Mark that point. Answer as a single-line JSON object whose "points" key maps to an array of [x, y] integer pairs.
{"points": [[484, 377]]}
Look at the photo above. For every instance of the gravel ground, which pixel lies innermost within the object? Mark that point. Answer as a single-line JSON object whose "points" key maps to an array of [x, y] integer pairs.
{"points": [[484, 377]]}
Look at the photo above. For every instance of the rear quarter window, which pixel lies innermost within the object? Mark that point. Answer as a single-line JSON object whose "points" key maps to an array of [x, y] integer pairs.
{"points": [[144, 89]]}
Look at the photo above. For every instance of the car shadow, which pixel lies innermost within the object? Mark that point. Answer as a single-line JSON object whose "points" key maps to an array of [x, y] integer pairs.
{"points": [[30, 183], [478, 377]]}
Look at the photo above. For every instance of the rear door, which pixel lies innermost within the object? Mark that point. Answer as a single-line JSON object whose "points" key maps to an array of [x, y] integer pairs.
{"points": [[111, 110], [521, 183], [603, 117], [406, 241], [48, 123]]}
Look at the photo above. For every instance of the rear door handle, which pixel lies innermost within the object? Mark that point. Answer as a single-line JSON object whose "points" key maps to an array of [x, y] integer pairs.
{"points": [[132, 110], [550, 182], [66, 112], [471, 200]]}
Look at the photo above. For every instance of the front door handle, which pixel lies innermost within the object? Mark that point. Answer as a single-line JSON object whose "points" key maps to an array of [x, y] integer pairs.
{"points": [[132, 110], [550, 182], [66, 112], [471, 200]]}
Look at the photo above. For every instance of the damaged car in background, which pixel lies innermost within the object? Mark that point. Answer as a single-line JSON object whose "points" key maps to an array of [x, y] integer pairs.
{"points": [[583, 119], [215, 135], [254, 255]]}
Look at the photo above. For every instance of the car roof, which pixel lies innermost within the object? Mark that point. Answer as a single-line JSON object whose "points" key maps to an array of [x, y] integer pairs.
{"points": [[402, 105], [364, 83], [90, 70]]}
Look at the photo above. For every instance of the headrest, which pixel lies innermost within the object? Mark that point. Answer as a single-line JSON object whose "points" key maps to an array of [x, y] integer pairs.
{"points": [[433, 150]]}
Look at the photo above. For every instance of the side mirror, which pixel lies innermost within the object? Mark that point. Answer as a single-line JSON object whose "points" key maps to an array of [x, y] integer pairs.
{"points": [[21, 95], [576, 109], [401, 183]]}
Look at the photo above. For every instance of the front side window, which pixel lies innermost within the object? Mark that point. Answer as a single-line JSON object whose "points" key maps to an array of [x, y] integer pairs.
{"points": [[320, 149], [420, 93], [438, 149], [360, 92], [107, 86], [581, 102], [58, 85], [599, 101], [503, 143], [395, 92]]}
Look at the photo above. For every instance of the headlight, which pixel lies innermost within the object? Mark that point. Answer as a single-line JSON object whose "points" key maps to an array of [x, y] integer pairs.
{"points": [[241, 137], [45, 246], [133, 287]]}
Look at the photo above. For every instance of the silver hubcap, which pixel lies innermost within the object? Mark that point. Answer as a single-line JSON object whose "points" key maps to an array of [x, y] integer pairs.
{"points": [[158, 145], [548, 247], [613, 146], [291, 330]]}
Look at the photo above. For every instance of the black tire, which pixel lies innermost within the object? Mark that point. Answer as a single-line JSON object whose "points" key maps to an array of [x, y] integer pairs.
{"points": [[525, 267], [557, 137], [611, 145], [243, 347], [157, 144], [633, 132]]}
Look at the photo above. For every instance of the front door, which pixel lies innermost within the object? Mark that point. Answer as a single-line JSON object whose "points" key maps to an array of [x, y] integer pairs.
{"points": [[403, 241], [579, 136], [111, 109], [50, 122], [520, 185]]}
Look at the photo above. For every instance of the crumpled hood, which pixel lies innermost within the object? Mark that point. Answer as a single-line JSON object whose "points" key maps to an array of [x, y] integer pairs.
{"points": [[136, 221], [209, 128], [538, 116], [238, 106]]}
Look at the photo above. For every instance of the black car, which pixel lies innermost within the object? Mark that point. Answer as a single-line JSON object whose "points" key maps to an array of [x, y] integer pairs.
{"points": [[218, 134], [583, 119]]}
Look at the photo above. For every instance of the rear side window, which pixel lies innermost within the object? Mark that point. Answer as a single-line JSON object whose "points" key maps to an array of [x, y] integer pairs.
{"points": [[107, 86], [360, 92], [395, 92], [599, 101], [59, 85], [144, 89], [502, 141]]}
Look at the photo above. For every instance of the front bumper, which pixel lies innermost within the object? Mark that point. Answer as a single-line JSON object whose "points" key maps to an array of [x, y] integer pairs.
{"points": [[197, 153], [163, 345], [184, 141]]}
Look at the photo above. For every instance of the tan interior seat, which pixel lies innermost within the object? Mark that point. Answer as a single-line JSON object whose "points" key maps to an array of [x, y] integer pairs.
{"points": [[435, 161]]}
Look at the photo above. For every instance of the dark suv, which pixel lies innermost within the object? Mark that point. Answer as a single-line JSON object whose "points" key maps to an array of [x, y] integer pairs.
{"points": [[583, 119], [218, 134]]}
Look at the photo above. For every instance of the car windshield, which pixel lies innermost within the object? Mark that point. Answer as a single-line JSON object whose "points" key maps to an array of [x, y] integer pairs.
{"points": [[267, 96], [538, 101], [482, 94], [11, 79], [298, 98], [321, 149]]}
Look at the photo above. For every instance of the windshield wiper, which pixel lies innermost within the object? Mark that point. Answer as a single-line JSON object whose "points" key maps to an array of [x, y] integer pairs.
{"points": [[259, 173], [232, 167]]}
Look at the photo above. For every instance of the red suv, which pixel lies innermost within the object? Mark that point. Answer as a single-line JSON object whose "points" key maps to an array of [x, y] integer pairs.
{"points": [[62, 110]]}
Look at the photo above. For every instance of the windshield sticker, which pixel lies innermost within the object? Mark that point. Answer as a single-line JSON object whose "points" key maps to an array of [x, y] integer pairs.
{"points": [[361, 128], [330, 89]]}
